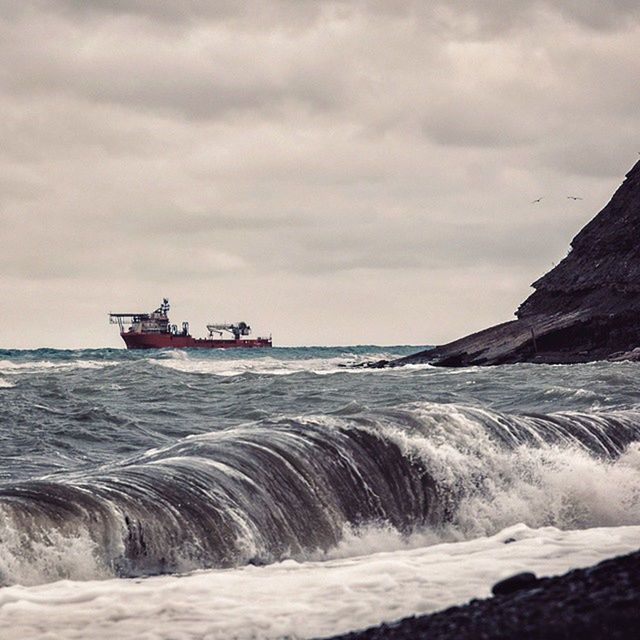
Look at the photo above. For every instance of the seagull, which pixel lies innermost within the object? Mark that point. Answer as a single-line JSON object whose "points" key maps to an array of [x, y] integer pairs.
{"points": [[538, 200], [574, 198]]}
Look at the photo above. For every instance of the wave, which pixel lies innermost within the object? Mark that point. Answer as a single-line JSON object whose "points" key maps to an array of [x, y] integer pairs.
{"points": [[220, 363], [300, 487], [226, 366], [9, 367], [301, 600]]}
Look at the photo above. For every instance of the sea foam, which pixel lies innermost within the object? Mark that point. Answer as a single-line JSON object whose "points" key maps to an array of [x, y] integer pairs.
{"points": [[301, 600]]}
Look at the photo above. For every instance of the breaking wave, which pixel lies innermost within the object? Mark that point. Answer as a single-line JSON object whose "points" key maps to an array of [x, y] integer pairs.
{"points": [[320, 365], [8, 367], [308, 487]]}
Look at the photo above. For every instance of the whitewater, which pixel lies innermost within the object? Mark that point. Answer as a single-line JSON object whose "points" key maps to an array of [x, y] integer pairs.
{"points": [[283, 493]]}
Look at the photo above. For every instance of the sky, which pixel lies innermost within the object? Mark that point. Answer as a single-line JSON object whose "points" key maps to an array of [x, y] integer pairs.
{"points": [[345, 172]]}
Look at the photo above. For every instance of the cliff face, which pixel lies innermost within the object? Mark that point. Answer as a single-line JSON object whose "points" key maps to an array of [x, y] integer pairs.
{"points": [[586, 308], [602, 270]]}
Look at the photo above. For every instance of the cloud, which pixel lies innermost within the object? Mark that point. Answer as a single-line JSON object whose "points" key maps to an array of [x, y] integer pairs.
{"points": [[494, 15], [338, 153], [203, 75]]}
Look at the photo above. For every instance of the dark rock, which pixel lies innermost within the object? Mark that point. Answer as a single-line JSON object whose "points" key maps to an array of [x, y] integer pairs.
{"points": [[587, 308], [520, 581], [599, 602]]}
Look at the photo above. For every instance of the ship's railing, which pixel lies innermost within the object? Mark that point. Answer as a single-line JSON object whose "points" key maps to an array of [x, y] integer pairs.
{"points": [[144, 320], [128, 318]]}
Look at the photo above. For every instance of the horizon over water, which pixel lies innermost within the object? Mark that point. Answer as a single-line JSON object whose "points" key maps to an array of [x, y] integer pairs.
{"points": [[279, 493]]}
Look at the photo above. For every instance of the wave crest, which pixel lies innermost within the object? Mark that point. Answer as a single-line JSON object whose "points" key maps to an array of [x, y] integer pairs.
{"points": [[291, 488]]}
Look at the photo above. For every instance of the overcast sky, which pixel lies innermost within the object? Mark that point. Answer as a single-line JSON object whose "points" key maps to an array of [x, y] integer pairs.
{"points": [[335, 172]]}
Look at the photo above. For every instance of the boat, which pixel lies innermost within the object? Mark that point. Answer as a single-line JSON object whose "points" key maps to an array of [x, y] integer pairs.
{"points": [[154, 331]]}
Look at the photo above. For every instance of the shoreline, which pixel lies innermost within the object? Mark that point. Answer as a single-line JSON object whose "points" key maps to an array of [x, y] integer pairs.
{"points": [[595, 602]]}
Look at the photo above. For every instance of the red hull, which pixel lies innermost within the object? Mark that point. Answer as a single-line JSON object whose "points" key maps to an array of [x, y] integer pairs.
{"points": [[170, 341]]}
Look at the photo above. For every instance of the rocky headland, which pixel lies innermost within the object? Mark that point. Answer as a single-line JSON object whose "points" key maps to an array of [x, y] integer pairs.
{"points": [[598, 602], [587, 308]]}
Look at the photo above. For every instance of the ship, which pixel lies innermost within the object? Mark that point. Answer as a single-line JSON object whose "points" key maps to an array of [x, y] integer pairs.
{"points": [[155, 331]]}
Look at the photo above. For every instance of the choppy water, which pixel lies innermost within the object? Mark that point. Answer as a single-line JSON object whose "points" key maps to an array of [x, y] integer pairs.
{"points": [[309, 498]]}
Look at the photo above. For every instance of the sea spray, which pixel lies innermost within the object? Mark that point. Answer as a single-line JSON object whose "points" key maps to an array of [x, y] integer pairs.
{"points": [[292, 487]]}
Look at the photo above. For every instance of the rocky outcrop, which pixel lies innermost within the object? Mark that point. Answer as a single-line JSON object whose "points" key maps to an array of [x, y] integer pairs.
{"points": [[586, 308], [598, 602]]}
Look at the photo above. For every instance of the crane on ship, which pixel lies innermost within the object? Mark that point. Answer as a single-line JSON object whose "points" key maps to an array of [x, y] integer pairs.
{"points": [[239, 329]]}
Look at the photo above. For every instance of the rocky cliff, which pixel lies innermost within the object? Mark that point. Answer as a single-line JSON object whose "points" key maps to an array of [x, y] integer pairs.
{"points": [[586, 308]]}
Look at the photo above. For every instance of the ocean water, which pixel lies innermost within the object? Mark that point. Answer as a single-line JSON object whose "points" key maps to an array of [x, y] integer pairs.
{"points": [[279, 493]]}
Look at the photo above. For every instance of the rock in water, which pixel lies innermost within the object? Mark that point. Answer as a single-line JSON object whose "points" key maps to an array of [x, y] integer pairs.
{"points": [[586, 308], [519, 581]]}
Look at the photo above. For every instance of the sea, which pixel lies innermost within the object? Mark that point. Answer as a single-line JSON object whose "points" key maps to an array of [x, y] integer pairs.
{"points": [[284, 493]]}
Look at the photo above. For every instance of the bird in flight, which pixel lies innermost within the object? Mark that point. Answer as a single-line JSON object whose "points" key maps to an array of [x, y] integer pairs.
{"points": [[574, 198], [537, 200]]}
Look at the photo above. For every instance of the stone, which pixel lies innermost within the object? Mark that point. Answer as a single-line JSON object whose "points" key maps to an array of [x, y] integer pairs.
{"points": [[519, 581], [587, 308], [597, 602]]}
